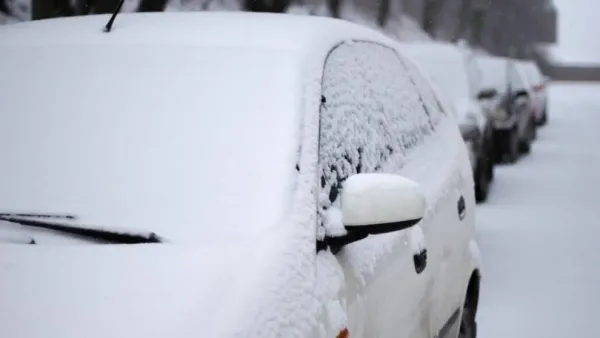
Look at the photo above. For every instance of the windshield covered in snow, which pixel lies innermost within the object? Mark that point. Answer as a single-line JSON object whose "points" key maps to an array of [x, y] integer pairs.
{"points": [[443, 65], [169, 140]]}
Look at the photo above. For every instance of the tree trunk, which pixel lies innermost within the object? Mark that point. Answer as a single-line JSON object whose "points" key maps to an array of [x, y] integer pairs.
{"points": [[273, 6], [334, 7], [383, 12], [464, 19], [430, 15], [4, 8], [152, 5], [44, 9], [104, 6]]}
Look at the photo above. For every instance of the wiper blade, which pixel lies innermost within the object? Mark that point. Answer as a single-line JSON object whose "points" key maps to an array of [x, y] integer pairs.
{"points": [[106, 235], [38, 215]]}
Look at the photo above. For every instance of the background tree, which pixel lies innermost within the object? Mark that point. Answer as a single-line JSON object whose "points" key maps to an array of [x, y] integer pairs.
{"points": [[152, 5], [271, 6]]}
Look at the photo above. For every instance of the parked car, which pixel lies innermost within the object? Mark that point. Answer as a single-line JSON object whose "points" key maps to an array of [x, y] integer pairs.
{"points": [[538, 91], [510, 111], [452, 71], [278, 182]]}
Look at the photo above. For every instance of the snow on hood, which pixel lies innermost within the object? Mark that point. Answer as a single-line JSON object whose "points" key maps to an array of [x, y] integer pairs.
{"points": [[128, 291]]}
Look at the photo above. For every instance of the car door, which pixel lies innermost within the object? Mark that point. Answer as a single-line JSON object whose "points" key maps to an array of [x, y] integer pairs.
{"points": [[373, 120], [452, 224]]}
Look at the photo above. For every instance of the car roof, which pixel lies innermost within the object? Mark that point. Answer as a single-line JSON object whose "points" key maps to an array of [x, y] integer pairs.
{"points": [[235, 29]]}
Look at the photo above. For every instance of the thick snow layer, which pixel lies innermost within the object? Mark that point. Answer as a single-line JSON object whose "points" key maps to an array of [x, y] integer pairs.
{"points": [[538, 231], [494, 71], [444, 64]]}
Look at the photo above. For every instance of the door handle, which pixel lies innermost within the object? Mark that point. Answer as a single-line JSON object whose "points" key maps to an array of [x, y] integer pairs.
{"points": [[462, 208], [420, 260]]}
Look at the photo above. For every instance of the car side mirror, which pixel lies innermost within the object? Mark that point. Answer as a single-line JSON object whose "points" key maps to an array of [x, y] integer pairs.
{"points": [[487, 94], [378, 203], [521, 93], [469, 131]]}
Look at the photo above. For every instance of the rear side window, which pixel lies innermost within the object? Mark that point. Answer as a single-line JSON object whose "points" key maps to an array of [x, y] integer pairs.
{"points": [[371, 117]]}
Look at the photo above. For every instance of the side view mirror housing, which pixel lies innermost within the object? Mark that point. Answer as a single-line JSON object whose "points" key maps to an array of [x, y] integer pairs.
{"points": [[520, 93], [487, 94], [378, 203], [469, 132]]}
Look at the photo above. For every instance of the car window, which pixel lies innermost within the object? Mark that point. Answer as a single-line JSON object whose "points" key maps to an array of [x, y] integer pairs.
{"points": [[516, 79], [371, 117]]}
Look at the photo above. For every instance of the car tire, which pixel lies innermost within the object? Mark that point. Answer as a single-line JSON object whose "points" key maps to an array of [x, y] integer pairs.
{"points": [[544, 118], [512, 146], [525, 145], [482, 181], [468, 324]]}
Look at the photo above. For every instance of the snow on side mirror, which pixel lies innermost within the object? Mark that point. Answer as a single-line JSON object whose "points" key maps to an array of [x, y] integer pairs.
{"points": [[381, 203]]}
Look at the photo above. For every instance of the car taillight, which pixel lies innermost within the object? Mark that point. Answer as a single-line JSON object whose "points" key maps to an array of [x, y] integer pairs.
{"points": [[344, 334]]}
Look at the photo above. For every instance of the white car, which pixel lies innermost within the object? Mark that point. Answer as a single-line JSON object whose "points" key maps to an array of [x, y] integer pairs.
{"points": [[453, 73], [538, 89], [228, 175]]}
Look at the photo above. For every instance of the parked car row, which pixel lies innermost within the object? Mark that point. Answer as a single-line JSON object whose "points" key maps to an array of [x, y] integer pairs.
{"points": [[498, 102]]}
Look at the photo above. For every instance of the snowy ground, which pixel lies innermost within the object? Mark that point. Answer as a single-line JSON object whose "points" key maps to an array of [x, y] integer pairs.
{"points": [[540, 231]]}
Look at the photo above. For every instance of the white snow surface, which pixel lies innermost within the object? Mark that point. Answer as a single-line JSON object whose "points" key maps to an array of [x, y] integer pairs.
{"points": [[538, 232], [494, 71], [444, 64]]}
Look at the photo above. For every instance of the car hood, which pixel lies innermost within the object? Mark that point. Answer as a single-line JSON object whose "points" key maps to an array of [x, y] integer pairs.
{"points": [[468, 112], [154, 290]]}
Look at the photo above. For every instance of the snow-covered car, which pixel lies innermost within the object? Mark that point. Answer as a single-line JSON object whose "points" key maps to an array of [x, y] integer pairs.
{"points": [[456, 77], [228, 175], [538, 91], [510, 110]]}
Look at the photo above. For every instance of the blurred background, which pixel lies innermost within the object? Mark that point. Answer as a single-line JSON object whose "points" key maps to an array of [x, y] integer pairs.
{"points": [[515, 28]]}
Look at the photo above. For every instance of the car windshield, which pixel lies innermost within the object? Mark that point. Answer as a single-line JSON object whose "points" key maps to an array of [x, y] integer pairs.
{"points": [[168, 140]]}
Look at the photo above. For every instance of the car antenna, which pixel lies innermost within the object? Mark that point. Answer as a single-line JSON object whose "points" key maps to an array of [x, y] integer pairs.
{"points": [[108, 26]]}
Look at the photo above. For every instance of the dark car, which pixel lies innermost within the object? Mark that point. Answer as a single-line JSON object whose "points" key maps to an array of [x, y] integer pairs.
{"points": [[510, 110]]}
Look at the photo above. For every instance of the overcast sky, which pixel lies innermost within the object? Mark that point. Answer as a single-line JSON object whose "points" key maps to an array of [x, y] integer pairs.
{"points": [[578, 30]]}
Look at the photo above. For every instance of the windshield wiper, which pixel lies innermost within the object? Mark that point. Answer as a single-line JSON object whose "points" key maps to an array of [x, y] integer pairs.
{"points": [[106, 235], [36, 215]]}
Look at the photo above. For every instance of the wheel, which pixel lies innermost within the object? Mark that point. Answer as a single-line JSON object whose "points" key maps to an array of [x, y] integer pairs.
{"points": [[482, 182], [512, 146], [544, 118], [468, 324], [533, 131], [525, 145]]}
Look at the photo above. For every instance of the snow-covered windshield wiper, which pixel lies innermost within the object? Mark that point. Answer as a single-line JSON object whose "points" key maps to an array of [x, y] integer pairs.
{"points": [[68, 227]]}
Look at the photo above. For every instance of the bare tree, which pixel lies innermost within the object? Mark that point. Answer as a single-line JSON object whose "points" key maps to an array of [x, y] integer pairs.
{"points": [[152, 5]]}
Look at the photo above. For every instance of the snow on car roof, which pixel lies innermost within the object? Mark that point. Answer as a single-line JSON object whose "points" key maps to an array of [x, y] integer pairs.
{"points": [[259, 30], [494, 72], [444, 64]]}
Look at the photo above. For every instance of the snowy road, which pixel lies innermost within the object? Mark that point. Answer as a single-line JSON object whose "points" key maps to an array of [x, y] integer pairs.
{"points": [[540, 231]]}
